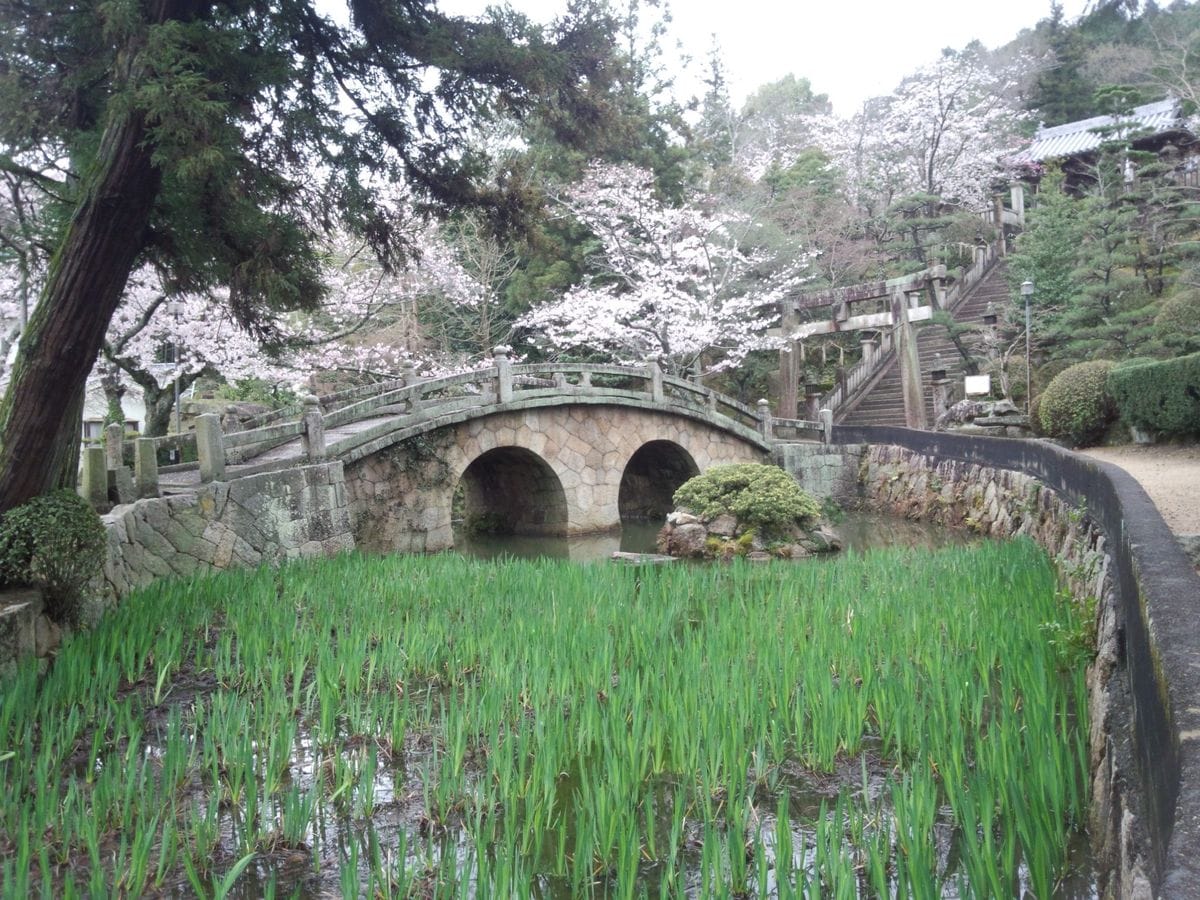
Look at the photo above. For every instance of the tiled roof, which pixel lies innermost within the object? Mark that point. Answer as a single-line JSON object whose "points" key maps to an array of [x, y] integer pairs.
{"points": [[1073, 138]]}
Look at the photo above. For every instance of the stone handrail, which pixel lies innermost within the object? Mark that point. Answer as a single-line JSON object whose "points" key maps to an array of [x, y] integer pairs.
{"points": [[777, 429], [372, 415], [872, 362], [878, 359]]}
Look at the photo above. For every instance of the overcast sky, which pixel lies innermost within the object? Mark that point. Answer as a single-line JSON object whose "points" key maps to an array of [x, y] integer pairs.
{"points": [[848, 49]]}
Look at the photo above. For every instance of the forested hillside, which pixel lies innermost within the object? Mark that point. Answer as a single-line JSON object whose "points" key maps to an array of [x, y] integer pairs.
{"points": [[609, 216]]}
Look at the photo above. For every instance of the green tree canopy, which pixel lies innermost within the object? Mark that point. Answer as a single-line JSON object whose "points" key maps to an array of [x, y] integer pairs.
{"points": [[216, 139]]}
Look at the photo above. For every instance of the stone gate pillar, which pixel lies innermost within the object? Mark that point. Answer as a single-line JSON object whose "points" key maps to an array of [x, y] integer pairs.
{"points": [[910, 364]]}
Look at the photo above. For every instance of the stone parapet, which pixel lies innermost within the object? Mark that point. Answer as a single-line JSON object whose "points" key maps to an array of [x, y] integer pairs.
{"points": [[258, 519], [1111, 547]]}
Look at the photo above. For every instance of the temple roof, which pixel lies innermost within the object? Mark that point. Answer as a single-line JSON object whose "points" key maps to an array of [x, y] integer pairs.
{"points": [[1074, 138]]}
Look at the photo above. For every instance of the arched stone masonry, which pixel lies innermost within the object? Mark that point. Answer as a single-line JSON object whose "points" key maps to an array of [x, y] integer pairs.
{"points": [[401, 496], [655, 471], [512, 490]]}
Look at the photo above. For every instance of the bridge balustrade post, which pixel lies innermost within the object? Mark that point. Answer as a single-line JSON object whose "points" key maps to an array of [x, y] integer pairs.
{"points": [[210, 447], [560, 380], [764, 419], [114, 439], [93, 479], [585, 379], [656, 381], [145, 467], [504, 380], [408, 374], [313, 435], [826, 417]]}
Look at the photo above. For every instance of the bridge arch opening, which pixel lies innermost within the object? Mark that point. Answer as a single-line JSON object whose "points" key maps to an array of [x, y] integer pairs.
{"points": [[651, 477], [511, 490]]}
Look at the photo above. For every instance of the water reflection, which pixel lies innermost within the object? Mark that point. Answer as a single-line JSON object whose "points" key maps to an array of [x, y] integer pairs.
{"points": [[859, 532], [632, 537]]}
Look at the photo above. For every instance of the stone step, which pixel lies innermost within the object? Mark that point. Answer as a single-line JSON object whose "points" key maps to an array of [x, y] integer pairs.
{"points": [[885, 403]]}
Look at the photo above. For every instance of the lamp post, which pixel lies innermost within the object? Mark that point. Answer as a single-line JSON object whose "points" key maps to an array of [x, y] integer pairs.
{"points": [[1027, 293], [175, 308]]}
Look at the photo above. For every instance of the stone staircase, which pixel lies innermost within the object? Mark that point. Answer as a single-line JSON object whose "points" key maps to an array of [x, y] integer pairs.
{"points": [[882, 403]]}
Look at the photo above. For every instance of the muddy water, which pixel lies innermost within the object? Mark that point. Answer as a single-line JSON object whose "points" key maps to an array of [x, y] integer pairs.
{"points": [[632, 537]]}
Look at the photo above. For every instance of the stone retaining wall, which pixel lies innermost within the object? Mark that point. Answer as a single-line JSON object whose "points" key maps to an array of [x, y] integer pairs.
{"points": [[1004, 503], [243, 523], [25, 630], [1112, 547], [824, 470]]}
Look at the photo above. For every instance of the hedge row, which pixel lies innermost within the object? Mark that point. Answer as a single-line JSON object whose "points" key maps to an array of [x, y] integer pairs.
{"points": [[1159, 396]]}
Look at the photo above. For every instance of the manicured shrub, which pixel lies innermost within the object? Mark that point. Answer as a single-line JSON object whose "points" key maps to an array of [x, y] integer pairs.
{"points": [[1178, 321], [1076, 406], [1035, 420], [761, 497], [55, 542], [1159, 396]]}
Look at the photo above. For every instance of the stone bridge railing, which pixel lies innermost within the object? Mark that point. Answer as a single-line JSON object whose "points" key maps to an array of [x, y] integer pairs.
{"points": [[347, 424]]}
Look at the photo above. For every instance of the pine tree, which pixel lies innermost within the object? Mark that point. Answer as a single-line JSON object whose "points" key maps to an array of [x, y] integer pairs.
{"points": [[212, 140], [1061, 92]]}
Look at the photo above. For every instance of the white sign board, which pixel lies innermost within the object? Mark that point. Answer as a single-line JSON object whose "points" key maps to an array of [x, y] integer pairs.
{"points": [[978, 384]]}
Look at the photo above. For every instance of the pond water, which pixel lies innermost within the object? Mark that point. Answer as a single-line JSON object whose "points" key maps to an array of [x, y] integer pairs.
{"points": [[860, 531]]}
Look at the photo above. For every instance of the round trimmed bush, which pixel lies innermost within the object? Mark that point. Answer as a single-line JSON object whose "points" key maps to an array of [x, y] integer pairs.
{"points": [[1035, 415], [1076, 406], [55, 542], [1178, 321], [762, 497]]}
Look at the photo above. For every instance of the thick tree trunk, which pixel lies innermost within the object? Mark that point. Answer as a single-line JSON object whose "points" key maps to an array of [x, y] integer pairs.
{"points": [[41, 411], [159, 404], [40, 414]]}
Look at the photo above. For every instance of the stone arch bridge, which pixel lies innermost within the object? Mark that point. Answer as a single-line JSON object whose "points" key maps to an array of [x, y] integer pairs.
{"points": [[542, 449]]}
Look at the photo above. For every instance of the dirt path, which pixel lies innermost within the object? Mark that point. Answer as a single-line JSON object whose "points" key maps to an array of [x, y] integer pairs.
{"points": [[1170, 475]]}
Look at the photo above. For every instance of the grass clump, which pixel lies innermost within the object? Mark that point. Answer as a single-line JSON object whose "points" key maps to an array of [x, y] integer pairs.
{"points": [[764, 498], [442, 727]]}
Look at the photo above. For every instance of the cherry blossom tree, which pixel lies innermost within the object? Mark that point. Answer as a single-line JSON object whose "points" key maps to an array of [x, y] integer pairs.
{"points": [[683, 284], [944, 132], [466, 266], [366, 327]]}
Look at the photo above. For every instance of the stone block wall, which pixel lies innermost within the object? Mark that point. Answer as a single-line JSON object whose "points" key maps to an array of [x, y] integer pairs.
{"points": [[259, 519], [1003, 503], [25, 630], [824, 470], [1112, 545]]}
